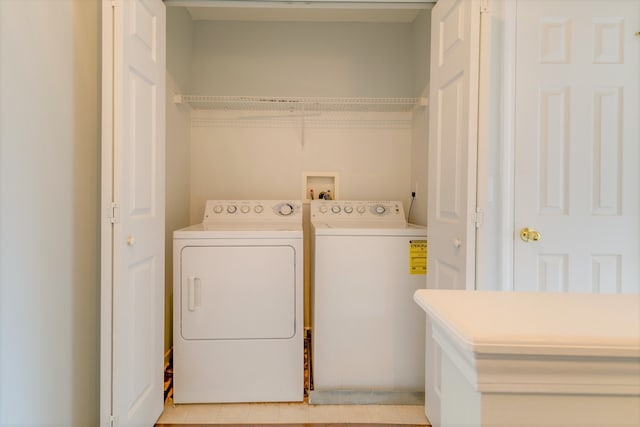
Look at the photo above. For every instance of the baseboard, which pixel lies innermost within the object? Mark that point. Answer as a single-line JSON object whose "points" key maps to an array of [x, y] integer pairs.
{"points": [[365, 397]]}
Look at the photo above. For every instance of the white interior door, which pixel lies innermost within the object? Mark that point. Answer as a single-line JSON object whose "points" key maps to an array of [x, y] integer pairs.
{"points": [[453, 136], [133, 223], [577, 146]]}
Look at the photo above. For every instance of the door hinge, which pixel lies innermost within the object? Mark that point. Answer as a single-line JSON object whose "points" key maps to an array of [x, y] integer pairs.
{"points": [[478, 217], [484, 6], [113, 4], [113, 421], [114, 213]]}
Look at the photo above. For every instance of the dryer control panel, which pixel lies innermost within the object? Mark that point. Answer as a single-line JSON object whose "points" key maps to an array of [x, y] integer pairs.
{"points": [[381, 210], [253, 210]]}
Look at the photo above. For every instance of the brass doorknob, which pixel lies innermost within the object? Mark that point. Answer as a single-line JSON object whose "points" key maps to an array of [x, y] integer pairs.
{"points": [[530, 235]]}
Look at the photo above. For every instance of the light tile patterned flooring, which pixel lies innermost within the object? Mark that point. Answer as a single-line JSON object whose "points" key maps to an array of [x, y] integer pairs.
{"points": [[266, 413]]}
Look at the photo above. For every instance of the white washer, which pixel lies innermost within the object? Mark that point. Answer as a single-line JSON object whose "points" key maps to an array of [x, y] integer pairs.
{"points": [[238, 316], [368, 335]]}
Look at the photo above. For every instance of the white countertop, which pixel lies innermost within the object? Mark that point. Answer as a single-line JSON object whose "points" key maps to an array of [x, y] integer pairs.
{"points": [[537, 323]]}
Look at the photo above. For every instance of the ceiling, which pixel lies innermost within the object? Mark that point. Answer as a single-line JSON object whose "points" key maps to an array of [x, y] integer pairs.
{"points": [[303, 12]]}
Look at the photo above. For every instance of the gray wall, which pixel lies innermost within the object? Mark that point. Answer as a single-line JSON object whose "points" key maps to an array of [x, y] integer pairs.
{"points": [[49, 212], [421, 31], [178, 132], [302, 59], [421, 34]]}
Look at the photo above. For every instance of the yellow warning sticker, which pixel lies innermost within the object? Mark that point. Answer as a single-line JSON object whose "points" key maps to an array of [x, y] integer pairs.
{"points": [[418, 257]]}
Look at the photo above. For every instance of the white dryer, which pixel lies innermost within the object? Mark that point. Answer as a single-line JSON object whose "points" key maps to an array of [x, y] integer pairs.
{"points": [[237, 310], [368, 336]]}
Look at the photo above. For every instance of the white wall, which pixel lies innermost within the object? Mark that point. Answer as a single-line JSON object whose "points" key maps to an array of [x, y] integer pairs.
{"points": [[266, 159], [49, 215], [178, 134]]}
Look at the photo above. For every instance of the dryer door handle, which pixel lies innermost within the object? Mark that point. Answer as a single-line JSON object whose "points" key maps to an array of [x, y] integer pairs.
{"points": [[194, 291]]}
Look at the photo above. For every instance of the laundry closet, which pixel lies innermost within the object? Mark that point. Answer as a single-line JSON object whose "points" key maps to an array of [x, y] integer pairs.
{"points": [[270, 102], [273, 102]]}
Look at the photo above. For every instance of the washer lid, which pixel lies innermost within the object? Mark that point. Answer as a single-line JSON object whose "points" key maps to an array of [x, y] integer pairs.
{"points": [[368, 228]]}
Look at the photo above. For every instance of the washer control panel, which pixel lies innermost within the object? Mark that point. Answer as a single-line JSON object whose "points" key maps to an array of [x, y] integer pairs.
{"points": [[357, 209], [256, 210]]}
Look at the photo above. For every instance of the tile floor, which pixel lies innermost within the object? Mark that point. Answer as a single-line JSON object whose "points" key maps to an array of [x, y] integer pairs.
{"points": [[266, 413]]}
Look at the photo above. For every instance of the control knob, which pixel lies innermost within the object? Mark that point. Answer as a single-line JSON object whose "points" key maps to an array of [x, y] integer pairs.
{"points": [[217, 209], [361, 209], [323, 209], [232, 209], [285, 209], [244, 209], [348, 209], [379, 210], [258, 209], [335, 209]]}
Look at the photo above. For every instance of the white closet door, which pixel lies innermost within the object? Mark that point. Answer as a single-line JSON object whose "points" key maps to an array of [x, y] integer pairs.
{"points": [[133, 178], [577, 146], [453, 137]]}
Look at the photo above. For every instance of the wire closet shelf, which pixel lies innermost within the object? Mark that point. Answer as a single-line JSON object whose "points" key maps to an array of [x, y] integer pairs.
{"points": [[294, 104]]}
